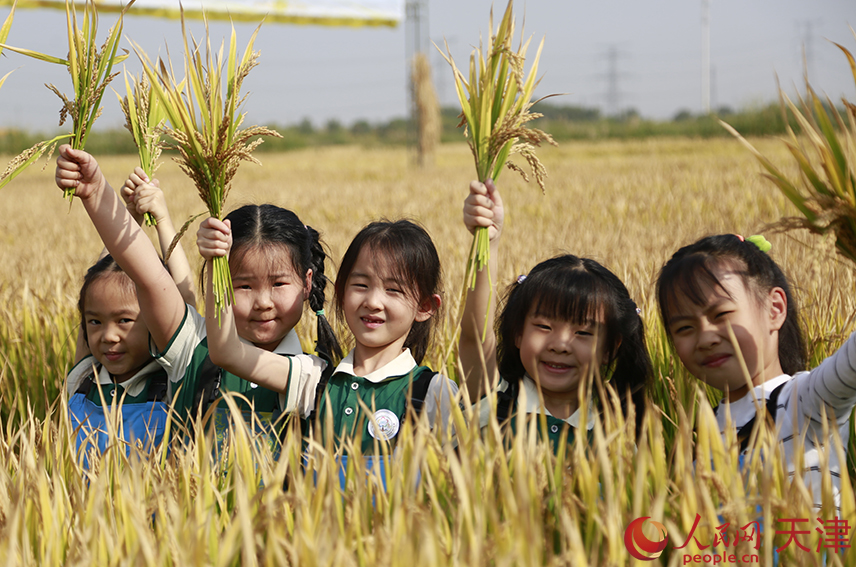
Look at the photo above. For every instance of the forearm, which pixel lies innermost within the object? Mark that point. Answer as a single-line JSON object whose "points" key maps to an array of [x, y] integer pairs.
{"points": [[477, 344], [832, 385], [179, 267], [160, 303]]}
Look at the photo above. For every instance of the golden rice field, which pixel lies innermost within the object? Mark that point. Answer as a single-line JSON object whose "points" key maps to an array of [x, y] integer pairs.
{"points": [[627, 204]]}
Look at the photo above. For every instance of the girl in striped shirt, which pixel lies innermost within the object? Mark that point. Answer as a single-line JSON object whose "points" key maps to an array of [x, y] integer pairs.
{"points": [[726, 281]]}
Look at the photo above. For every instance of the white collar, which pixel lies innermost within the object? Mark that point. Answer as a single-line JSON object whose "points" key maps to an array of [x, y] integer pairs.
{"points": [[400, 366], [760, 392], [135, 384], [289, 345], [528, 398], [744, 408]]}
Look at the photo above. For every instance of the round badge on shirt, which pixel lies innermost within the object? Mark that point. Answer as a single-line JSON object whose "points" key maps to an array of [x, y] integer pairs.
{"points": [[387, 425]]}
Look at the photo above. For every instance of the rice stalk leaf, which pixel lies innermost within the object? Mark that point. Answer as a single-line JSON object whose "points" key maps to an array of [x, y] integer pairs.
{"points": [[33, 54], [7, 24]]}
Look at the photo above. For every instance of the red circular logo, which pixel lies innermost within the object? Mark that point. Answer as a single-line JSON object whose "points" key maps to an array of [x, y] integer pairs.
{"points": [[638, 544]]}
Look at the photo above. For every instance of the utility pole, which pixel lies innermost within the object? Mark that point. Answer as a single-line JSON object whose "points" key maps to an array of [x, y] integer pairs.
{"points": [[807, 39], [613, 92], [705, 56]]}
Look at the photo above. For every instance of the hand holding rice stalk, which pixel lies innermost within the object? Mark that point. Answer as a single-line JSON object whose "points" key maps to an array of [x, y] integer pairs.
{"points": [[495, 103], [825, 152], [144, 116], [90, 70], [203, 126]]}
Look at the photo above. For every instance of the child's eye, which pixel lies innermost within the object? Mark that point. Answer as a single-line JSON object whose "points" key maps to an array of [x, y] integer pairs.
{"points": [[243, 286], [584, 333], [125, 320], [93, 322], [722, 314], [542, 326], [279, 284], [681, 330], [393, 290], [360, 285]]}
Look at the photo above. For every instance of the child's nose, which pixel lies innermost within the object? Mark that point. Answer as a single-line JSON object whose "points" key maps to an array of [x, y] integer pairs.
{"points": [[709, 335], [372, 299], [560, 342], [111, 333], [263, 300]]}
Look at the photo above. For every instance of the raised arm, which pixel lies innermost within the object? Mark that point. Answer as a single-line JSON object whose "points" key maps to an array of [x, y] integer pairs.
{"points": [[145, 196], [477, 345], [225, 348], [832, 385], [161, 304]]}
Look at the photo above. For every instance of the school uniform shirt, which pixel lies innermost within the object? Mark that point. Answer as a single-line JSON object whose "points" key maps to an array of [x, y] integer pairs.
{"points": [[143, 420], [383, 392], [186, 355], [135, 389], [831, 387], [527, 398]]}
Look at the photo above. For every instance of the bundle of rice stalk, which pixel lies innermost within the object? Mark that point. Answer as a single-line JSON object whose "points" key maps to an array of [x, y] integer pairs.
{"points": [[91, 71], [427, 109], [495, 102], [144, 116], [203, 125], [825, 151]]}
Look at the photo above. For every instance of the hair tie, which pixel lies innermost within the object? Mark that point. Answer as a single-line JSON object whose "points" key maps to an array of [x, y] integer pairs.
{"points": [[639, 311], [758, 240], [762, 243], [319, 313], [521, 278]]}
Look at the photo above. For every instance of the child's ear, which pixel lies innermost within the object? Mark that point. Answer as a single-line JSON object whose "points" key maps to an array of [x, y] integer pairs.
{"points": [[307, 283], [427, 308], [778, 306]]}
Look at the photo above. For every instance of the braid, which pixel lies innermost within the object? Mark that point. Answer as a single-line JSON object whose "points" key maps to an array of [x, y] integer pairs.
{"points": [[327, 344]]}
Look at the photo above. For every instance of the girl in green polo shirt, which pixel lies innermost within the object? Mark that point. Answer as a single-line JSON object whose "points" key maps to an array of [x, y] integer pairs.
{"points": [[387, 291], [567, 319]]}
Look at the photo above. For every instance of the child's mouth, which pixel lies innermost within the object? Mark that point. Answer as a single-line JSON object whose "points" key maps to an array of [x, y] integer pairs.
{"points": [[113, 356], [372, 322], [715, 361], [555, 366]]}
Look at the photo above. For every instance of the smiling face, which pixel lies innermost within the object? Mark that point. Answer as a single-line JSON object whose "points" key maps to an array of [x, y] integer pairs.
{"points": [[269, 295], [702, 340], [379, 309], [117, 336], [558, 354]]}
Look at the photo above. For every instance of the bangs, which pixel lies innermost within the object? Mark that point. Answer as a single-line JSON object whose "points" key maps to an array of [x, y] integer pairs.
{"points": [[690, 279], [392, 260], [274, 256], [574, 295]]}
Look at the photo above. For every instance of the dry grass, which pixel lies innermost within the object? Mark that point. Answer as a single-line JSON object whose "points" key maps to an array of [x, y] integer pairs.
{"points": [[627, 204]]}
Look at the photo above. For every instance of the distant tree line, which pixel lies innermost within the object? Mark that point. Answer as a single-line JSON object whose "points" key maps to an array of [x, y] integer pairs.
{"points": [[563, 122]]}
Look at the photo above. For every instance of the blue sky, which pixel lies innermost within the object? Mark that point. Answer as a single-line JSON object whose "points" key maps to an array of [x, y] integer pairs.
{"points": [[348, 74]]}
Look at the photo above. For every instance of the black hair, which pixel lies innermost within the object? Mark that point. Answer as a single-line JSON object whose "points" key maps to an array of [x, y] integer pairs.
{"points": [[570, 288], [105, 266], [260, 226], [412, 258], [690, 273]]}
